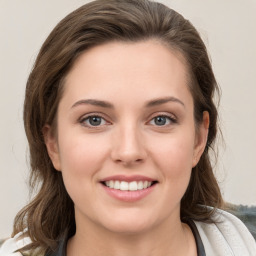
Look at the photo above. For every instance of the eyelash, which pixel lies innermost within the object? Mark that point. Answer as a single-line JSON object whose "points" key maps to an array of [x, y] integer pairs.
{"points": [[89, 116], [84, 119], [171, 120]]}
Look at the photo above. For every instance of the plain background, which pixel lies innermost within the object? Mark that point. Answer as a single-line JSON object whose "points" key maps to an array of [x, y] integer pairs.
{"points": [[228, 29]]}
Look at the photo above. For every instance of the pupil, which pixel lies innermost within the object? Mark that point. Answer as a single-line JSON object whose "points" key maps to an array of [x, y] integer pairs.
{"points": [[95, 120], [160, 120]]}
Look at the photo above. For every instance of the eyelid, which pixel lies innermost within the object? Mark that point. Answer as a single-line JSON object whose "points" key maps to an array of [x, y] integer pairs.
{"points": [[165, 114], [82, 119], [170, 116]]}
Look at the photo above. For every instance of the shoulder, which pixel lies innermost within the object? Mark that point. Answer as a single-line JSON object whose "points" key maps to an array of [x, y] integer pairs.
{"points": [[11, 245], [226, 236]]}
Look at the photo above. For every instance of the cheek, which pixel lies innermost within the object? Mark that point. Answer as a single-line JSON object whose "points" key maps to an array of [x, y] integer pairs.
{"points": [[177, 170], [177, 167], [81, 159], [80, 163], [81, 154], [174, 154]]}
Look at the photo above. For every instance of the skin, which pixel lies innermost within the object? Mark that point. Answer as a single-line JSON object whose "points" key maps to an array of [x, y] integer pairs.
{"points": [[128, 141]]}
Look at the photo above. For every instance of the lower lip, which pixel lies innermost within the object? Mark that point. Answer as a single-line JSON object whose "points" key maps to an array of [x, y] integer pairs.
{"points": [[128, 196]]}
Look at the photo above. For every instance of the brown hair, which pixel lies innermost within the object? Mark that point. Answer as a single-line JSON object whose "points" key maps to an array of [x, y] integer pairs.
{"points": [[51, 213]]}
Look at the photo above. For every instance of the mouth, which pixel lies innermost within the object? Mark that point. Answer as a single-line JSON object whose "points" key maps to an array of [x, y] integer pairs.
{"points": [[129, 186]]}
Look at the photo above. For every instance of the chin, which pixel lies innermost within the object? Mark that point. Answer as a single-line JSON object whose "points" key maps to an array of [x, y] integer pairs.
{"points": [[128, 224], [127, 228]]}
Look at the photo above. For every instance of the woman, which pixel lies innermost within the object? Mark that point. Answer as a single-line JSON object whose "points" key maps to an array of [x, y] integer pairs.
{"points": [[120, 120]]}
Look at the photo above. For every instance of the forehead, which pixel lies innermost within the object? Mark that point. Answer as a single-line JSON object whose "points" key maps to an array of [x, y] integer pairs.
{"points": [[145, 68]]}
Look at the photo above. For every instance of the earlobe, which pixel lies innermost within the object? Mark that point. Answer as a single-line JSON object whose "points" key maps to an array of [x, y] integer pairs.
{"points": [[201, 138], [52, 146]]}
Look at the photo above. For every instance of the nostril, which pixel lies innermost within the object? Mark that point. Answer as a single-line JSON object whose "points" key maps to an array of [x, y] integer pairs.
{"points": [[128, 151], [131, 162]]}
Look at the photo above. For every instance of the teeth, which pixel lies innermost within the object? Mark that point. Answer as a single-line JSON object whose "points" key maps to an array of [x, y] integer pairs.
{"points": [[140, 185], [124, 185], [133, 186], [111, 183], [128, 186], [117, 184]]}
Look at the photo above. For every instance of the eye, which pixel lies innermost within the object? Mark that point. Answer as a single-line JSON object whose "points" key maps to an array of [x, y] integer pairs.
{"points": [[95, 120], [162, 120]]}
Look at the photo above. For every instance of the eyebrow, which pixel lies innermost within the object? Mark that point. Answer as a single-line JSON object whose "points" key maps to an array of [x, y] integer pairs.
{"points": [[164, 100], [105, 104], [99, 103]]}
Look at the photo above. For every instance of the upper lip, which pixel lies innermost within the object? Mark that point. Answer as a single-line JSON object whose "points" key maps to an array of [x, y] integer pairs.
{"points": [[128, 178]]}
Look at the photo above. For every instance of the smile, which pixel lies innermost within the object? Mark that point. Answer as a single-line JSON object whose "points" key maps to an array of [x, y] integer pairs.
{"points": [[128, 186]]}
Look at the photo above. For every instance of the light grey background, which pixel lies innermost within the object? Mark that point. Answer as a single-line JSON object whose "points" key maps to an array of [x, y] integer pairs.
{"points": [[228, 28]]}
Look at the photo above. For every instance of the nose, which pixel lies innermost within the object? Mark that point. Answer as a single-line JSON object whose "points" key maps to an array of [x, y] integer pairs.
{"points": [[128, 147]]}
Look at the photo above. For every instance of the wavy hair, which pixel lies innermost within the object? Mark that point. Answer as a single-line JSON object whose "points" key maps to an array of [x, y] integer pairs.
{"points": [[51, 212]]}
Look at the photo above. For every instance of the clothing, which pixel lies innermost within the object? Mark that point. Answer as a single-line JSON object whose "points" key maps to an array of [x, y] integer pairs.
{"points": [[228, 236]]}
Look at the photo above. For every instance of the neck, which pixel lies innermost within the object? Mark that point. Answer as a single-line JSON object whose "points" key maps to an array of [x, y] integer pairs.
{"points": [[169, 238]]}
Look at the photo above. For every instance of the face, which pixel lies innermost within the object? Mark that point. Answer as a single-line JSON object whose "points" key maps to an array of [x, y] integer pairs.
{"points": [[126, 139]]}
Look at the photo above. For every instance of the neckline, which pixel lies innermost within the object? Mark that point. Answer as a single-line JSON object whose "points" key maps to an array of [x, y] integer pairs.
{"points": [[61, 249], [199, 243]]}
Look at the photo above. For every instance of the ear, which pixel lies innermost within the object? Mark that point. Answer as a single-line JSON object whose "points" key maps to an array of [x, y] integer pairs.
{"points": [[51, 143], [201, 138]]}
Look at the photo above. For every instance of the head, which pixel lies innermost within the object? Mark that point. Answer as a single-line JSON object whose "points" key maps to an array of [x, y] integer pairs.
{"points": [[95, 24]]}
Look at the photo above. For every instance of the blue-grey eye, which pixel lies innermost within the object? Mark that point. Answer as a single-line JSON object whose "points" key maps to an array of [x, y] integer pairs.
{"points": [[94, 121], [161, 120]]}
